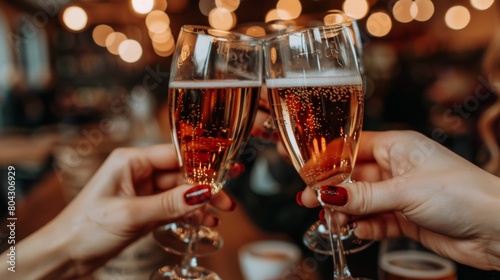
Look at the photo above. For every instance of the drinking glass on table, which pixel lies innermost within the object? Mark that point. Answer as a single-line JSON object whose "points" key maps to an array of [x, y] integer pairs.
{"points": [[405, 259], [316, 98], [214, 88]]}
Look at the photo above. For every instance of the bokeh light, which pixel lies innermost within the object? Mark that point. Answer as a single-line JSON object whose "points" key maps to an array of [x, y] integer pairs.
{"points": [[130, 50], [143, 6], [157, 21], [401, 11], [100, 33], [113, 41], [230, 5], [457, 17], [272, 15], [75, 18], [222, 18], [356, 9], [288, 9], [379, 24], [161, 5], [161, 37], [481, 4], [422, 10]]}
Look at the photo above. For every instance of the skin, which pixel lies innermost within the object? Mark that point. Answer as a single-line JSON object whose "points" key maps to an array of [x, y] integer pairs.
{"points": [[409, 185], [134, 191]]}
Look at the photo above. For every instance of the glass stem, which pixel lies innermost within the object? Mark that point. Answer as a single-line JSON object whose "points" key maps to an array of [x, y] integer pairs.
{"points": [[189, 261], [340, 269]]}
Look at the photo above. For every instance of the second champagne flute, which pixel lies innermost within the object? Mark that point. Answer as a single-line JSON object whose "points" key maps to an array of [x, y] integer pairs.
{"points": [[317, 236], [316, 97], [214, 89]]}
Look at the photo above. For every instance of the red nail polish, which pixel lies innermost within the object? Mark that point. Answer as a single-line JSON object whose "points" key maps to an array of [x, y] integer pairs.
{"points": [[198, 194], [322, 216], [298, 198], [334, 195], [236, 170]]}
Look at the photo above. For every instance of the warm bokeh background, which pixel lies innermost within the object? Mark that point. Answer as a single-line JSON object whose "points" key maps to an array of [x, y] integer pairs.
{"points": [[79, 78]]}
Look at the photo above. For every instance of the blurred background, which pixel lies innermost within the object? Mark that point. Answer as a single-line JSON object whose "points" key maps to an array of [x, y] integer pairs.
{"points": [[79, 78]]}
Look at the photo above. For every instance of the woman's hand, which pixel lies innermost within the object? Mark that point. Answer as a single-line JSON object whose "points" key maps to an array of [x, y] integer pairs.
{"points": [[409, 185], [135, 190]]}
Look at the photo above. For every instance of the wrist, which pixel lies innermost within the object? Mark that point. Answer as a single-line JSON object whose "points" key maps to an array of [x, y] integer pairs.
{"points": [[43, 255]]}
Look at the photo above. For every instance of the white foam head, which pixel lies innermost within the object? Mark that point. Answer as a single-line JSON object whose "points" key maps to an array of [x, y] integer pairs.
{"points": [[215, 84], [319, 81]]}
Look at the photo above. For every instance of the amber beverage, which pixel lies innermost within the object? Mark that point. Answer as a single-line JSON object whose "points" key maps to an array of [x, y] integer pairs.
{"points": [[210, 121], [319, 124]]}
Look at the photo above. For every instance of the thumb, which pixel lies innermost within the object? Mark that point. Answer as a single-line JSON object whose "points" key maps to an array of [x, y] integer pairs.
{"points": [[170, 204], [363, 198]]}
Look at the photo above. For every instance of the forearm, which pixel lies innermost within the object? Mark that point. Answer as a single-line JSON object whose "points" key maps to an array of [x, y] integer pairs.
{"points": [[41, 255]]}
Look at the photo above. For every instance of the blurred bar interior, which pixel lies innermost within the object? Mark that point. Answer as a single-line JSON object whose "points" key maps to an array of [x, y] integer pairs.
{"points": [[79, 78]]}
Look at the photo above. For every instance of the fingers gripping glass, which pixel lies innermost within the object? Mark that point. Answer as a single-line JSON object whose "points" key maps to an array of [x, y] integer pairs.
{"points": [[213, 95]]}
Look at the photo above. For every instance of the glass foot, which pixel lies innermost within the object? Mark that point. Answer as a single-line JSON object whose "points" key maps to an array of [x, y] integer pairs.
{"points": [[317, 239], [172, 273], [174, 238]]}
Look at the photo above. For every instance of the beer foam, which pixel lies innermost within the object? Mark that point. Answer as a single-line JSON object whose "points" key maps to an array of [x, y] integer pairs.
{"points": [[215, 84], [444, 267], [316, 81]]}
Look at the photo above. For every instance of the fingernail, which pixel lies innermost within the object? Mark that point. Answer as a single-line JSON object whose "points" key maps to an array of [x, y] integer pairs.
{"points": [[322, 216], [236, 170], [198, 195], [298, 198], [334, 195]]}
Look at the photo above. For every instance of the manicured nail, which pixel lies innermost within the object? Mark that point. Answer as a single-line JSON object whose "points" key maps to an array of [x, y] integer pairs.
{"points": [[236, 170], [322, 216], [298, 198], [334, 195], [198, 195]]}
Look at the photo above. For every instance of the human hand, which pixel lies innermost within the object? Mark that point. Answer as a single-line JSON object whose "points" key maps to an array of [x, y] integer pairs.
{"points": [[409, 185], [135, 190]]}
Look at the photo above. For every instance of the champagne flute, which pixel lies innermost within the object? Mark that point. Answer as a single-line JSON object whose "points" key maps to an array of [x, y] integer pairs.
{"points": [[316, 238], [316, 96], [214, 89]]}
